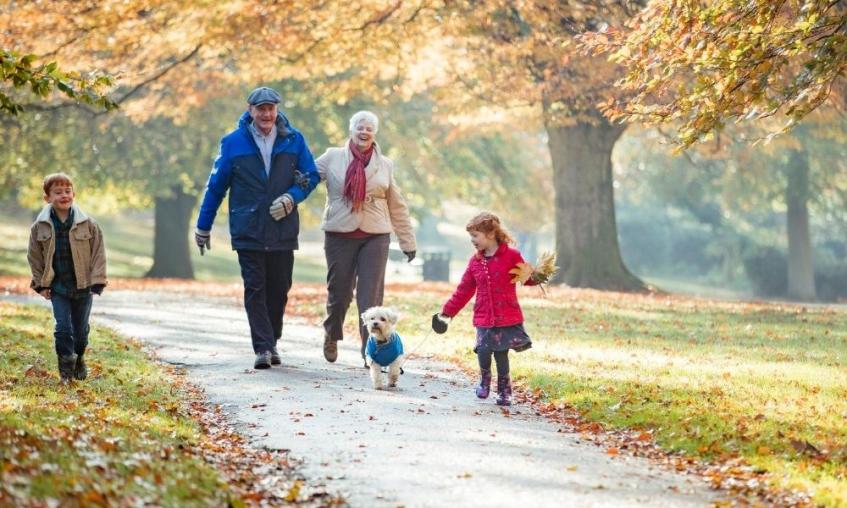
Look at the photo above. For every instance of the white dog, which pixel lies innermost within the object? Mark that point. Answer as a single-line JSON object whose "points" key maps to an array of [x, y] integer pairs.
{"points": [[384, 348]]}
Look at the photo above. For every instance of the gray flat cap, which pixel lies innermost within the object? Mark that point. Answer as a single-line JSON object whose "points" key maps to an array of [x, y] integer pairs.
{"points": [[263, 95]]}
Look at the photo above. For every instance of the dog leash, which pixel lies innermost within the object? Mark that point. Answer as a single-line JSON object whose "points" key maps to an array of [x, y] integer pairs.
{"points": [[410, 353]]}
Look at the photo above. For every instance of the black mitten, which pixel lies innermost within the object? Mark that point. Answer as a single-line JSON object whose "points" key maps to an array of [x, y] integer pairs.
{"points": [[439, 326]]}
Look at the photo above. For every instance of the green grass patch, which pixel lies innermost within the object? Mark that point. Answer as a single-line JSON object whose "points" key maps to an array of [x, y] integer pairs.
{"points": [[714, 380], [121, 437]]}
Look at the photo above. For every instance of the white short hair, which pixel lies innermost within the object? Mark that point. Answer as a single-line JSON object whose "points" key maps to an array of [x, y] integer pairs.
{"points": [[365, 116]]}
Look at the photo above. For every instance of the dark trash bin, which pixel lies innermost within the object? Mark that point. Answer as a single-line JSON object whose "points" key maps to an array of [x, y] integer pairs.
{"points": [[436, 264]]}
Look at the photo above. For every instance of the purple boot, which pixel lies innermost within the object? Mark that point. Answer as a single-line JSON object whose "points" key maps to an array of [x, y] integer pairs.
{"points": [[484, 387], [504, 391]]}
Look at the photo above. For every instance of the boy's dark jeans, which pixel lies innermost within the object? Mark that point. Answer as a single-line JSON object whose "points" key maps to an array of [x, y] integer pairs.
{"points": [[71, 316], [267, 279]]}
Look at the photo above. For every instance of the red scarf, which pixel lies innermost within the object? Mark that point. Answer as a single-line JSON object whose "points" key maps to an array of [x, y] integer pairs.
{"points": [[354, 180]]}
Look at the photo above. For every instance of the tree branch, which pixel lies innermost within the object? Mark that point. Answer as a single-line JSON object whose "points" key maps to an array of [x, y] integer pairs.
{"points": [[159, 74]]}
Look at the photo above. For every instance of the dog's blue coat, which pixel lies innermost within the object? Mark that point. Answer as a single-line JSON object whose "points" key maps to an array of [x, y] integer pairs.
{"points": [[384, 354]]}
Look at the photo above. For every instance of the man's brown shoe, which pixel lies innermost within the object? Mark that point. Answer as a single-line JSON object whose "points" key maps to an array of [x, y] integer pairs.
{"points": [[330, 350]]}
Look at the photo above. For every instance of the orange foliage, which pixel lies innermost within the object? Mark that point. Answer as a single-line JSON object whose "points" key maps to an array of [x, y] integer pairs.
{"points": [[168, 56]]}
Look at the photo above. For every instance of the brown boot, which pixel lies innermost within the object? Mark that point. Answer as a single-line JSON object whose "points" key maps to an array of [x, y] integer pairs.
{"points": [[330, 349]]}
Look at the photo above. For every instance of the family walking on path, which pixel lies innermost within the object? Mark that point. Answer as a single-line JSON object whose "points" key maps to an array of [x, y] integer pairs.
{"points": [[431, 445], [267, 168]]}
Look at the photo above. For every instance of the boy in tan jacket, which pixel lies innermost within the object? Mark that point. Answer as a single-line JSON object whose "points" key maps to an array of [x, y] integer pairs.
{"points": [[67, 258]]}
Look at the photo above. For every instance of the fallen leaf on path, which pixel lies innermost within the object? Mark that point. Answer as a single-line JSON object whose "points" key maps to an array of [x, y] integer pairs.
{"points": [[294, 491]]}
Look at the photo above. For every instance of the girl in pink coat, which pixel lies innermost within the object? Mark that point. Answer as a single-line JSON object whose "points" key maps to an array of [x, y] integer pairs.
{"points": [[497, 315]]}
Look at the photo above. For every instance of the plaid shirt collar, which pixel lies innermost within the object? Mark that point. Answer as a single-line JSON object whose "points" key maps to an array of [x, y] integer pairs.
{"points": [[64, 282]]}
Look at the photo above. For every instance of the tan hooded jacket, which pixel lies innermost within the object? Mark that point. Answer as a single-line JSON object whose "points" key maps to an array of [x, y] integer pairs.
{"points": [[384, 208], [88, 250]]}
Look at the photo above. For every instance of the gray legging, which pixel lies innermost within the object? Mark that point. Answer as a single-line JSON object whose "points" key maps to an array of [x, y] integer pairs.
{"points": [[353, 263]]}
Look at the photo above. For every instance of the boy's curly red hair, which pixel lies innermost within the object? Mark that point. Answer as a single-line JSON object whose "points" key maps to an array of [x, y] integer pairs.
{"points": [[56, 179], [487, 222]]}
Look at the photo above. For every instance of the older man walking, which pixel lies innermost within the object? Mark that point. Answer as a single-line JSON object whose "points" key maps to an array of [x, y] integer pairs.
{"points": [[268, 169]]}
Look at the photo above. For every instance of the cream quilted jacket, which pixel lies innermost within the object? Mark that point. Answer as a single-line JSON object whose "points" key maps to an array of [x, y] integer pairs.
{"points": [[384, 210]]}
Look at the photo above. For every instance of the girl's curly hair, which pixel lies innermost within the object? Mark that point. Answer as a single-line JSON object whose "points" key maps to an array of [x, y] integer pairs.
{"points": [[487, 222]]}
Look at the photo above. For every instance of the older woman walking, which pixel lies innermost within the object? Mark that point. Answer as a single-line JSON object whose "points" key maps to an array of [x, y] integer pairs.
{"points": [[363, 206]]}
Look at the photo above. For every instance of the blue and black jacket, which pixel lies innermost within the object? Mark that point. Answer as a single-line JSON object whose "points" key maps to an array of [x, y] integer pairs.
{"points": [[240, 170]]}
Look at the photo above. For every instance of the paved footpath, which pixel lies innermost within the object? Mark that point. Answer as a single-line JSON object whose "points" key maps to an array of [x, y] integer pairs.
{"points": [[429, 442]]}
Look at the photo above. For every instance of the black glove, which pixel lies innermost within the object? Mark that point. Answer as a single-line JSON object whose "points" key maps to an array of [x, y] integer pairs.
{"points": [[97, 289], [439, 323], [203, 240], [410, 255]]}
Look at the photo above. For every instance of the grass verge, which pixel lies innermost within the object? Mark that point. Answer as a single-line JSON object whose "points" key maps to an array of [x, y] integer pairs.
{"points": [[120, 438], [132, 434], [755, 383]]}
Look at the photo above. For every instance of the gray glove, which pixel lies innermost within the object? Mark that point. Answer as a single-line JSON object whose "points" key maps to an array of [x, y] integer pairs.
{"points": [[410, 255], [203, 240], [282, 206]]}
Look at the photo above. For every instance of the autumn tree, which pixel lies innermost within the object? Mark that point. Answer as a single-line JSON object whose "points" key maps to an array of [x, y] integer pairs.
{"points": [[515, 63], [700, 64]]}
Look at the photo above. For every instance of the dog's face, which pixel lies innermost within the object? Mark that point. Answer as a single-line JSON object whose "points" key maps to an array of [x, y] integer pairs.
{"points": [[380, 322]]}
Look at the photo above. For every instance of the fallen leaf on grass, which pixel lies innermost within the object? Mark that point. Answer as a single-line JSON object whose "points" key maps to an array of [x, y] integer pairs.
{"points": [[806, 448]]}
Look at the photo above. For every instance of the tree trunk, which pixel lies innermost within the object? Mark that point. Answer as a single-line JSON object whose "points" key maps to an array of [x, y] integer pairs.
{"points": [[801, 270], [587, 248], [170, 247]]}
